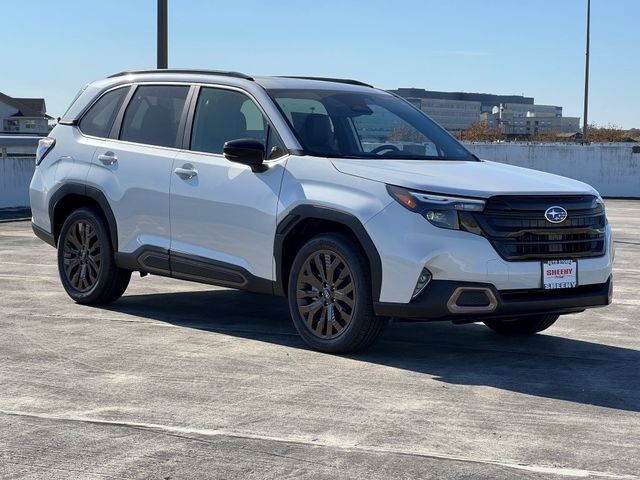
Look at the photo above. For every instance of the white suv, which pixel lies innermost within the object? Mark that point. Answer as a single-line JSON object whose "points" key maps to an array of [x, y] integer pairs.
{"points": [[345, 199]]}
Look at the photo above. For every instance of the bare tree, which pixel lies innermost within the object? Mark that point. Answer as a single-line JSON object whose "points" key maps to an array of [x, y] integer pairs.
{"points": [[481, 132], [608, 133], [549, 136], [403, 132]]}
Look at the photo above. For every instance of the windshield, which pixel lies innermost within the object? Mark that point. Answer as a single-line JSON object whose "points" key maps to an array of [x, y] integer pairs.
{"points": [[333, 123]]}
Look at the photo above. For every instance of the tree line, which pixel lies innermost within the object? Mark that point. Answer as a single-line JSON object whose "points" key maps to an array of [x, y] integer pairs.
{"points": [[483, 132]]}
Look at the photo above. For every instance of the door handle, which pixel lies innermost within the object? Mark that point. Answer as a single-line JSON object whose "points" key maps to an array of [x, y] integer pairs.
{"points": [[108, 158], [186, 172]]}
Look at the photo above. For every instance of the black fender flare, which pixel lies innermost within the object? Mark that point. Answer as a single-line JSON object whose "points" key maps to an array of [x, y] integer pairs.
{"points": [[90, 192], [304, 212]]}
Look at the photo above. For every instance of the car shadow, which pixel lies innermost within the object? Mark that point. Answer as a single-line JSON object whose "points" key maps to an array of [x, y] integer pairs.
{"points": [[542, 365]]}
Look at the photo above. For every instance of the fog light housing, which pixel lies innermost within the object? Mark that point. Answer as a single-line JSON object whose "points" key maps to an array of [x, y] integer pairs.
{"points": [[423, 280]]}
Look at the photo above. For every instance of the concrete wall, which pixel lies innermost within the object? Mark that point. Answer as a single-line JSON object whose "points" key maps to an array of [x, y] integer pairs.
{"points": [[612, 168], [17, 163], [15, 176]]}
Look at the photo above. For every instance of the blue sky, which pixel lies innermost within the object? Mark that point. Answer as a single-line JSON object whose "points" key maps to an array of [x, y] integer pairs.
{"points": [[536, 47]]}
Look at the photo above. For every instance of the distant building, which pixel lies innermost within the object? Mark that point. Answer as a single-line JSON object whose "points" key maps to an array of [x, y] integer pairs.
{"points": [[517, 120], [457, 111], [454, 115], [23, 115], [514, 115]]}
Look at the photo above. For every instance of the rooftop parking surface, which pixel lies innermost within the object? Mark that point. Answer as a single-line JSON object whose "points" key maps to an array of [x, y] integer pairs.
{"points": [[179, 380]]}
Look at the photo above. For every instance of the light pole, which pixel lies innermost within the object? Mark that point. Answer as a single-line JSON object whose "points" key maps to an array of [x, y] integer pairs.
{"points": [[585, 132], [162, 35]]}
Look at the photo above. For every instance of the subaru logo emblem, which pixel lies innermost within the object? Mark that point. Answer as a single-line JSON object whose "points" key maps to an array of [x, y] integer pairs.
{"points": [[555, 214]]}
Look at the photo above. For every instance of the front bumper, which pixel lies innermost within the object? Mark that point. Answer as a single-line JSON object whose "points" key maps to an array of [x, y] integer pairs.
{"points": [[413, 244], [442, 300]]}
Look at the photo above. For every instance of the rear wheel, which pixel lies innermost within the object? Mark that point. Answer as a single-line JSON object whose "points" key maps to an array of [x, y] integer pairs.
{"points": [[86, 265], [522, 326], [330, 296]]}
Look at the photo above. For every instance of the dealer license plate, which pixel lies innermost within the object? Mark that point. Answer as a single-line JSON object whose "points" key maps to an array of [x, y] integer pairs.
{"points": [[559, 274]]}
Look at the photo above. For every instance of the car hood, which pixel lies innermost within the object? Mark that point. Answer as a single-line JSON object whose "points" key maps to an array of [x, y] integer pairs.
{"points": [[467, 178]]}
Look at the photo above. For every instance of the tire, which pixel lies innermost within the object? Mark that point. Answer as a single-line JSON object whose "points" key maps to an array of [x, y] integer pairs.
{"points": [[345, 297], [522, 326], [85, 244]]}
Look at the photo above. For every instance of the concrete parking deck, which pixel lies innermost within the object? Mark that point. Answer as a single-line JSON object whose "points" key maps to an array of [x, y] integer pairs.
{"points": [[178, 380]]}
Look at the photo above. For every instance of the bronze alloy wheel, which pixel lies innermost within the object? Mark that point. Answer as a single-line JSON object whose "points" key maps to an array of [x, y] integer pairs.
{"points": [[82, 253], [326, 294]]}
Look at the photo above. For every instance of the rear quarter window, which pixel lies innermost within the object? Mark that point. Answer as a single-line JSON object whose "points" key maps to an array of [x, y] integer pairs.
{"points": [[99, 119]]}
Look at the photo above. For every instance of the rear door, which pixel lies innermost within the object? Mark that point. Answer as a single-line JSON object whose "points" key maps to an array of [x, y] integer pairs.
{"points": [[221, 211], [94, 127], [133, 167]]}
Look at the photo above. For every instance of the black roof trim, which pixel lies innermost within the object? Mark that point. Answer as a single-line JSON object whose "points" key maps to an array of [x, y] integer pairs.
{"points": [[220, 73], [329, 79]]}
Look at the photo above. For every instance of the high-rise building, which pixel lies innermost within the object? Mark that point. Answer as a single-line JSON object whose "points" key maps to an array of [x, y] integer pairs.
{"points": [[517, 120], [457, 111]]}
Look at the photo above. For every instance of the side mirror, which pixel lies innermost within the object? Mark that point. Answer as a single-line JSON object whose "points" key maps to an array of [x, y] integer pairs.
{"points": [[247, 151]]}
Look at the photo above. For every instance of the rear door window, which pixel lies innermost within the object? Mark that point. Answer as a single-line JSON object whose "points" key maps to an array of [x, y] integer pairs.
{"points": [[153, 115], [99, 119]]}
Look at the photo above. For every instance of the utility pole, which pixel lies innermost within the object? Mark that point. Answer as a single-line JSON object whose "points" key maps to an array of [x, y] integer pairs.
{"points": [[585, 124], [163, 60]]}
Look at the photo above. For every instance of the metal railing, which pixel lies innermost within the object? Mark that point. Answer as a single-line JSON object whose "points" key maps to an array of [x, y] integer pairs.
{"points": [[20, 142]]}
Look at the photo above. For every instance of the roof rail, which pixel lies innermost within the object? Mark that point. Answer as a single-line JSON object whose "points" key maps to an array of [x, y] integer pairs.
{"points": [[179, 70], [329, 79]]}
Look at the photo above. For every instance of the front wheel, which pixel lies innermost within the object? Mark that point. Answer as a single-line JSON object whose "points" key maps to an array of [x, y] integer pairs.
{"points": [[522, 326], [330, 296], [86, 265]]}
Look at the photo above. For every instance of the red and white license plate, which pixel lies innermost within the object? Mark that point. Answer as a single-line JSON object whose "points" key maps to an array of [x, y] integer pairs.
{"points": [[559, 274]]}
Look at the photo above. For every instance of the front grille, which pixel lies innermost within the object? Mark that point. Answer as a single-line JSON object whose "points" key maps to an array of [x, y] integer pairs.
{"points": [[518, 230]]}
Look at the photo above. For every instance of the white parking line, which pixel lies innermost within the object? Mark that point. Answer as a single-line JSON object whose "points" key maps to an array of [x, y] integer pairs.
{"points": [[543, 469]]}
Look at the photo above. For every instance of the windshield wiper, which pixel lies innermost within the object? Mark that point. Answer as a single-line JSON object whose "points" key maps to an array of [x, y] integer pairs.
{"points": [[413, 156], [393, 155]]}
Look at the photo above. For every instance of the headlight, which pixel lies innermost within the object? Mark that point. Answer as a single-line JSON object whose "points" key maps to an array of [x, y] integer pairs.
{"points": [[441, 211], [600, 201]]}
